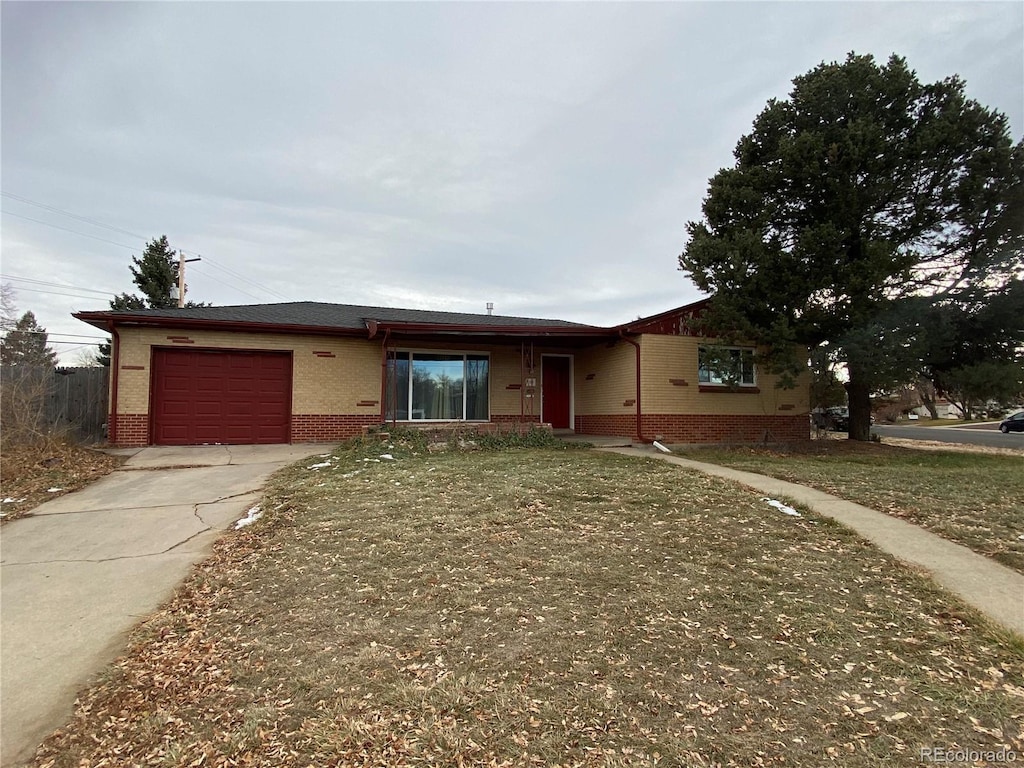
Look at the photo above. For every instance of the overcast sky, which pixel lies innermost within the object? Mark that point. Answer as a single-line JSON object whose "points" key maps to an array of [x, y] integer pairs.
{"points": [[545, 157]]}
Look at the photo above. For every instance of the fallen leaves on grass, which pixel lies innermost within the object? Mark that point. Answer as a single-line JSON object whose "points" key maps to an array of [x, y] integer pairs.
{"points": [[32, 474], [544, 609], [972, 499]]}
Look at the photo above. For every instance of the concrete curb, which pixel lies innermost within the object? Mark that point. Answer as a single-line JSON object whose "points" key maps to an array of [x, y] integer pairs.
{"points": [[994, 589]]}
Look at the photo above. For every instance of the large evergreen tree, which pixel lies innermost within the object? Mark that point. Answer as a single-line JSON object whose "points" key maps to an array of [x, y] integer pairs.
{"points": [[863, 189], [155, 273], [26, 344]]}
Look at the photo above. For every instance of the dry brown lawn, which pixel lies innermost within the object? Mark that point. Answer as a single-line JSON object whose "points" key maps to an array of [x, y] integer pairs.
{"points": [[33, 474], [548, 608], [973, 498]]}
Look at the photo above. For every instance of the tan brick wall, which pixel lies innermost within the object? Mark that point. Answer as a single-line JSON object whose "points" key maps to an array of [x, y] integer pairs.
{"points": [[322, 383], [605, 379], [341, 378], [669, 361]]}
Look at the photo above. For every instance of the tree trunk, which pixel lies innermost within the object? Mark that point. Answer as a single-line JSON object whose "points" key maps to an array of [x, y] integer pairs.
{"points": [[925, 391], [858, 392]]}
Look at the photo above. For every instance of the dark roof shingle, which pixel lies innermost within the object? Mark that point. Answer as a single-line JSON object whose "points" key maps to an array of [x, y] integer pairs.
{"points": [[312, 314]]}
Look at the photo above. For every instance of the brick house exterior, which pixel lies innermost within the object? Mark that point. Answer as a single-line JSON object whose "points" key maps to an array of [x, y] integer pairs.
{"points": [[310, 372]]}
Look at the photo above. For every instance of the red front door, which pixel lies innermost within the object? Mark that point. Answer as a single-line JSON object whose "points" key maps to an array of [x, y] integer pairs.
{"points": [[555, 391]]}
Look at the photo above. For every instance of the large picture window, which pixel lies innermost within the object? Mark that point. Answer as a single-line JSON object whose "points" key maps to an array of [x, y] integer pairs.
{"points": [[437, 386], [729, 366]]}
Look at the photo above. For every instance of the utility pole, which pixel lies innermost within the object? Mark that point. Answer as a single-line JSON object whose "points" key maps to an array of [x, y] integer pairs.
{"points": [[182, 261]]}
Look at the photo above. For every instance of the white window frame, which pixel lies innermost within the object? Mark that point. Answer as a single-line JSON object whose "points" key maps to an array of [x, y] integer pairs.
{"points": [[711, 382], [465, 354]]}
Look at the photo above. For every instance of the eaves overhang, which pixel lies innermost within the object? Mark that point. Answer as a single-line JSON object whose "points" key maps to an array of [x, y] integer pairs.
{"points": [[372, 328], [105, 320], [376, 328]]}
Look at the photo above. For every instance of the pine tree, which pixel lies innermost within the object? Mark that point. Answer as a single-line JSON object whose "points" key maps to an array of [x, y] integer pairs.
{"points": [[26, 344], [863, 190], [155, 273]]}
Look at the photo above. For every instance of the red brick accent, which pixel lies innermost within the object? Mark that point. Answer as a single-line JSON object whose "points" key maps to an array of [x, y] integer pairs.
{"points": [[318, 428], [718, 389], [618, 425], [699, 428], [132, 430]]}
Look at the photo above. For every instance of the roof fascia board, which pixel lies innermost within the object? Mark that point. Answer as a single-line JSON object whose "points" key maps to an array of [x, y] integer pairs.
{"points": [[447, 329], [103, 320], [626, 327]]}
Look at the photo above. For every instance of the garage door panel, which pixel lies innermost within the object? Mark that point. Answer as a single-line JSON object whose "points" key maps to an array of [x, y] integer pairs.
{"points": [[220, 396]]}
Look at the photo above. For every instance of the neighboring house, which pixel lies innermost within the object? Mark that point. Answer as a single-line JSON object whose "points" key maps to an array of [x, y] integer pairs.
{"points": [[943, 409], [306, 371]]}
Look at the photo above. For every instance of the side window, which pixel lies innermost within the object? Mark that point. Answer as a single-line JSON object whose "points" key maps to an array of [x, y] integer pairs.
{"points": [[726, 365]]}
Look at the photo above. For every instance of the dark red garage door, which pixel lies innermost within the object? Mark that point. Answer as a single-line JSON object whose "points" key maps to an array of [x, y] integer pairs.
{"points": [[220, 396]]}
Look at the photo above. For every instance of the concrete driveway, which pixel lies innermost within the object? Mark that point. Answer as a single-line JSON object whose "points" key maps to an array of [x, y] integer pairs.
{"points": [[84, 568]]}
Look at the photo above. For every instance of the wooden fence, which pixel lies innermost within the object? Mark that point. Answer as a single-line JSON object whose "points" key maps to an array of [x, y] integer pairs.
{"points": [[37, 401]]}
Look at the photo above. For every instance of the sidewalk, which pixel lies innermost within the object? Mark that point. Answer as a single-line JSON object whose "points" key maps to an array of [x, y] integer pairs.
{"points": [[995, 590]]}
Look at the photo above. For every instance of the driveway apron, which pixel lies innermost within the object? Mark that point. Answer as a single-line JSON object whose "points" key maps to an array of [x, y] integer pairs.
{"points": [[84, 568]]}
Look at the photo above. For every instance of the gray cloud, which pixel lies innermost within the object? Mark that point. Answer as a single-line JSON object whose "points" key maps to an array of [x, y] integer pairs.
{"points": [[542, 156]]}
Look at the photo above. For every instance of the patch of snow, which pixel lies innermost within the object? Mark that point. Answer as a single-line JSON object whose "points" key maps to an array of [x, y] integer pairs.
{"points": [[319, 466], [374, 460], [1019, 538], [786, 510], [387, 457], [254, 514], [54, 490], [9, 500]]}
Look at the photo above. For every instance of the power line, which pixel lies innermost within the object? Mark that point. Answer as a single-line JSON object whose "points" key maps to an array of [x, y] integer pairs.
{"points": [[59, 333], [86, 219], [52, 285], [238, 276], [56, 293], [95, 222], [216, 280], [72, 231]]}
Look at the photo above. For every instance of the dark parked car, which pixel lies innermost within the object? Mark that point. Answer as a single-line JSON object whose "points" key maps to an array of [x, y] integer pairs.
{"points": [[1013, 423], [837, 419]]}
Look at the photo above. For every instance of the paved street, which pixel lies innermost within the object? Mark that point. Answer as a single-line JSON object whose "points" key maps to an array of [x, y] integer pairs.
{"points": [[974, 434]]}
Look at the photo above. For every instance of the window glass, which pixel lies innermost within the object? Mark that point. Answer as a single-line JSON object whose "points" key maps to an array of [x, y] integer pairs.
{"points": [[397, 387], [477, 388], [437, 386], [726, 366]]}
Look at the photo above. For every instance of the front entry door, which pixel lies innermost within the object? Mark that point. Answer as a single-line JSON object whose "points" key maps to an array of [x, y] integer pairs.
{"points": [[555, 392]]}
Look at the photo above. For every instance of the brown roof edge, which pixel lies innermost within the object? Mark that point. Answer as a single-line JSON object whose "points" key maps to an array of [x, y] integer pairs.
{"points": [[628, 327], [376, 326], [103, 321]]}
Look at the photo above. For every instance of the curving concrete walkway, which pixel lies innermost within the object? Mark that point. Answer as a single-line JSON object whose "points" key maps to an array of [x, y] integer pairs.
{"points": [[83, 569], [994, 589]]}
